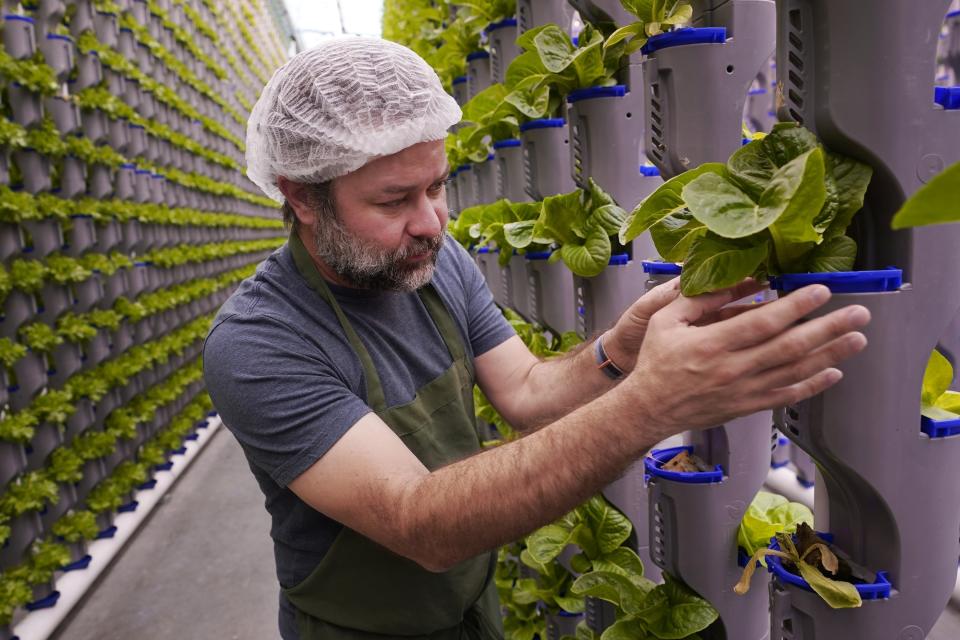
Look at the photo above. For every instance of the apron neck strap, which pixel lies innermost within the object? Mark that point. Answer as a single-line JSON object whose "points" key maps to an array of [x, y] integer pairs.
{"points": [[428, 295]]}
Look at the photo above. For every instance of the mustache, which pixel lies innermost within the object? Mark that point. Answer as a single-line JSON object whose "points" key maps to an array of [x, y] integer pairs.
{"points": [[421, 245]]}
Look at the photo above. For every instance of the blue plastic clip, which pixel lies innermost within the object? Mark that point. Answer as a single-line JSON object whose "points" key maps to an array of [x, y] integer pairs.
{"points": [[879, 590], [82, 563], [947, 97], [130, 507], [654, 462], [107, 533], [44, 603], [880, 280], [688, 35]]}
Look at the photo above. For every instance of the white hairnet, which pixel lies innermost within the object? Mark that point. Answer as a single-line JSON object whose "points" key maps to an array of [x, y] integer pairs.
{"points": [[330, 110]]}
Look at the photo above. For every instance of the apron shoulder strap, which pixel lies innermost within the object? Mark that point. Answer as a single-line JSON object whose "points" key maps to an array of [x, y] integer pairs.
{"points": [[307, 268]]}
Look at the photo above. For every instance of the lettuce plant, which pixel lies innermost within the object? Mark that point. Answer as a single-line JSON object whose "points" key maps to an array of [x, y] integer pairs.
{"points": [[934, 203], [14, 593], [781, 204], [76, 526], [552, 66], [653, 16], [18, 427], [65, 465], [10, 352], [644, 611], [501, 223], [938, 402], [29, 492], [75, 328], [55, 405], [28, 275], [811, 559], [768, 515], [581, 224], [40, 337]]}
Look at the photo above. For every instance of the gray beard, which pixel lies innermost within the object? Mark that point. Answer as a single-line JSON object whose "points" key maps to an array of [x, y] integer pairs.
{"points": [[367, 267]]}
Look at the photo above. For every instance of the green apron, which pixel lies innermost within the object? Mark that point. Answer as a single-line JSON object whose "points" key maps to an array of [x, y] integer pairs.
{"points": [[361, 590]]}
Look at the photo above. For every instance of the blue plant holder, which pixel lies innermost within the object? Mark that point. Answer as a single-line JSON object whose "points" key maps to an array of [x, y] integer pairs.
{"points": [[653, 464], [44, 603], [130, 507], [616, 91], [657, 268], [879, 590], [107, 533], [688, 35], [538, 255], [543, 123], [880, 280], [940, 428], [79, 565]]}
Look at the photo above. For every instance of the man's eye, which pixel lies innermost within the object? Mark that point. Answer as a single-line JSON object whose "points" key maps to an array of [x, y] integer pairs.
{"points": [[436, 188], [393, 203]]}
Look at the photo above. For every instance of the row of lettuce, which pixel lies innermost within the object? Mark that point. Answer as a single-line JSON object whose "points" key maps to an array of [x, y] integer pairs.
{"points": [[172, 266]]}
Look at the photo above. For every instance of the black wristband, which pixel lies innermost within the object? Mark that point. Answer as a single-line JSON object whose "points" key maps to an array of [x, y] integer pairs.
{"points": [[604, 363]]}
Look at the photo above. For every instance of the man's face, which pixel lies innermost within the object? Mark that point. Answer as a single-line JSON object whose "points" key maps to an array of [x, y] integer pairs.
{"points": [[391, 215]]}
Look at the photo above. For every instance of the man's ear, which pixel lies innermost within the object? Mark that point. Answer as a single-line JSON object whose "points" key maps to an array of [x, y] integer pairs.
{"points": [[296, 194]]}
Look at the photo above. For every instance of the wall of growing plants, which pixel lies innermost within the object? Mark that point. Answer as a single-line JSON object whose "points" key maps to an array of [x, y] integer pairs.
{"points": [[125, 222]]}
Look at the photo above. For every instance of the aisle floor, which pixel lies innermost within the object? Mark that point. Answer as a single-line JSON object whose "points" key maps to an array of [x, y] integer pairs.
{"points": [[201, 568]]}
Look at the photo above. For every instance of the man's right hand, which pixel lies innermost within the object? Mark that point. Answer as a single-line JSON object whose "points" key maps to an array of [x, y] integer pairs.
{"points": [[696, 372]]}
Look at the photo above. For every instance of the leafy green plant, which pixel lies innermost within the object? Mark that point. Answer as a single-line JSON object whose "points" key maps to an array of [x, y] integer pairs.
{"points": [[644, 611], [75, 328], [11, 351], [65, 465], [581, 224], [813, 557], [40, 337], [507, 225], [65, 269], [54, 405], [653, 16], [14, 593], [779, 205], [91, 445], [938, 402], [552, 66], [934, 203], [76, 526], [768, 515], [29, 492], [18, 427], [28, 275], [45, 558]]}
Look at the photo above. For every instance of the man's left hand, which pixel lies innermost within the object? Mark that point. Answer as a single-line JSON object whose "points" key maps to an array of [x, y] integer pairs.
{"points": [[622, 342]]}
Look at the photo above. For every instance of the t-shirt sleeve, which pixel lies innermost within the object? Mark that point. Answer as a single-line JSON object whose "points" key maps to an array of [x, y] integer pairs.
{"points": [[278, 394], [485, 322]]}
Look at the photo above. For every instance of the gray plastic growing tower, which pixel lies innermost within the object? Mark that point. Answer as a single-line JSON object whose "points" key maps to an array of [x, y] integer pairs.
{"points": [[479, 74], [502, 37], [508, 156], [694, 517], [546, 158], [706, 70], [606, 144], [860, 74], [533, 13]]}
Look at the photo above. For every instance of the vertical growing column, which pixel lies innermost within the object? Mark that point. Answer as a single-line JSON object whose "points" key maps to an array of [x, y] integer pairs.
{"points": [[887, 493]]}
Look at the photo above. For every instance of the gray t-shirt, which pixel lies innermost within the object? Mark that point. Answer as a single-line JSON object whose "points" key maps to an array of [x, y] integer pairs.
{"points": [[287, 384]]}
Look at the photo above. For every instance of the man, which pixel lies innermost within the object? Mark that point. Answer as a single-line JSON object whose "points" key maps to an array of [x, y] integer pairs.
{"points": [[345, 366]]}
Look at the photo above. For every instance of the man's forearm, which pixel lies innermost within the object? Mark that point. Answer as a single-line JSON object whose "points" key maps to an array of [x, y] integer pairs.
{"points": [[502, 494], [553, 388]]}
